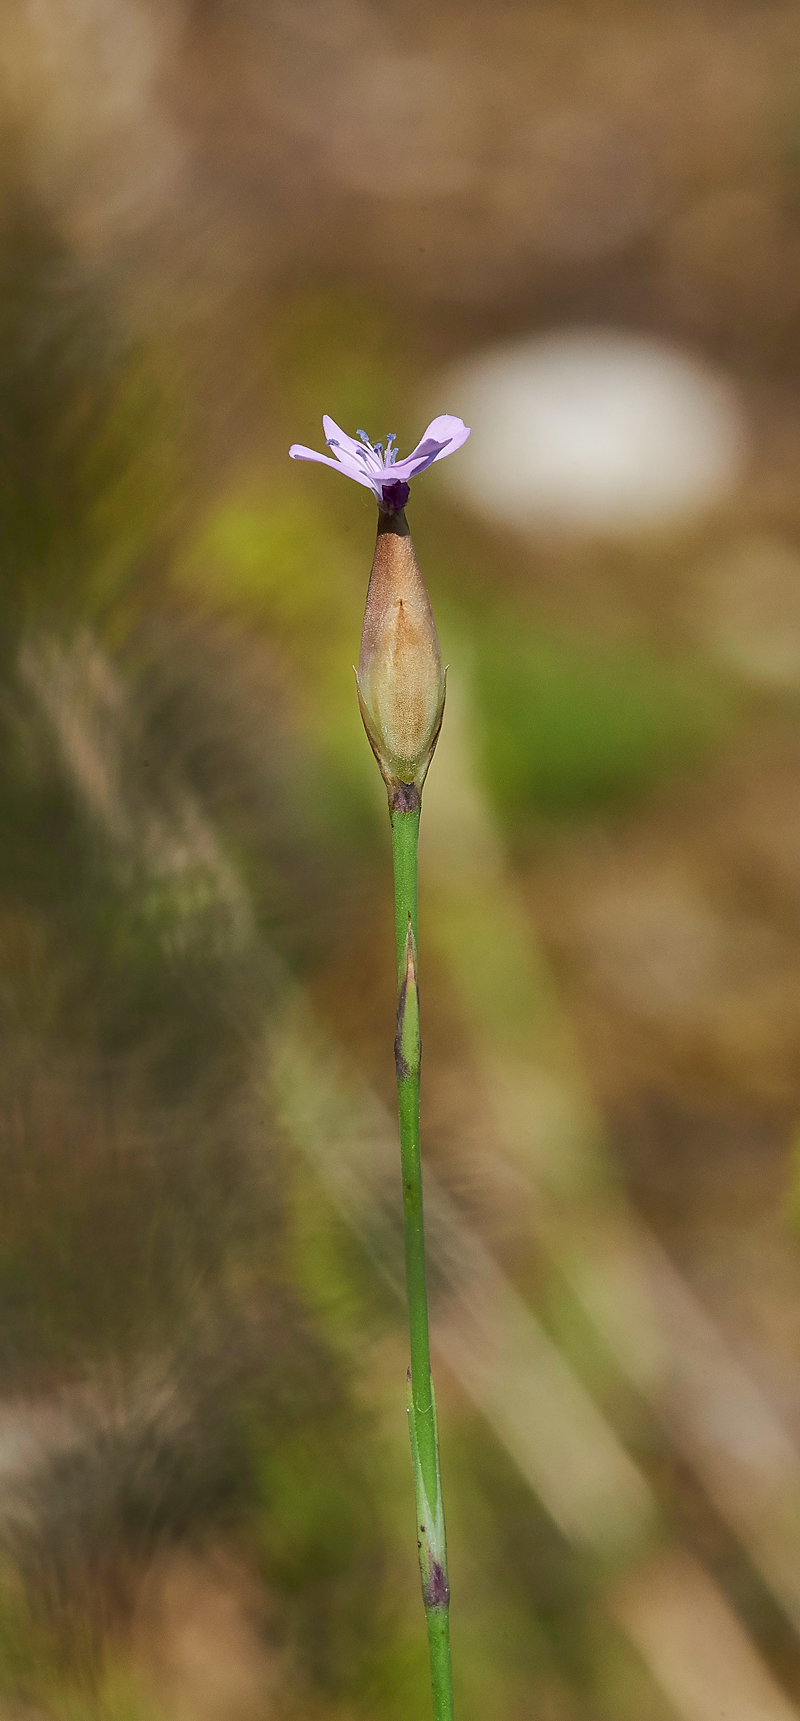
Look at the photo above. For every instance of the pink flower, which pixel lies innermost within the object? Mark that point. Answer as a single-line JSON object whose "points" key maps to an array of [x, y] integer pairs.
{"points": [[382, 472]]}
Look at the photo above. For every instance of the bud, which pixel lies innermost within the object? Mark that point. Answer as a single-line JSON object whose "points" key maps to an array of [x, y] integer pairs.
{"points": [[401, 684]]}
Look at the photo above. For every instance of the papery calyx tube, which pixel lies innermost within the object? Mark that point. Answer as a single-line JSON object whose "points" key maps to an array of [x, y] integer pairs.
{"points": [[401, 683]]}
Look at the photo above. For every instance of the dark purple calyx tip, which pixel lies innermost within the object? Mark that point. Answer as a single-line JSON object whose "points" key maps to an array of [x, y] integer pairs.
{"points": [[395, 496], [404, 797]]}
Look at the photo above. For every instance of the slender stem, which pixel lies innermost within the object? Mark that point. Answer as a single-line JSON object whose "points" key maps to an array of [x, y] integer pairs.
{"points": [[421, 1401]]}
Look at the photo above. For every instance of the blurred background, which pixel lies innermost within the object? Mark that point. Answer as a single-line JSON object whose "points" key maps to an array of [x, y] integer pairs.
{"points": [[578, 226]]}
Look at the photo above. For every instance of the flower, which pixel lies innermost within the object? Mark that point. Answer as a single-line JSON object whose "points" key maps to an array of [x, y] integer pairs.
{"points": [[380, 470], [400, 680]]}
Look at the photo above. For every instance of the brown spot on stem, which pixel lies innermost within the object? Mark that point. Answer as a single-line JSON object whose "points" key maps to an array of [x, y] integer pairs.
{"points": [[403, 1071], [435, 1593]]}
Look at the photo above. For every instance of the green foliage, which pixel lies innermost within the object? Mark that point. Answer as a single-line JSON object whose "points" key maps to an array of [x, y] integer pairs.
{"points": [[89, 427], [336, 352], [277, 562], [321, 1541], [569, 728], [33, 1674], [315, 1510]]}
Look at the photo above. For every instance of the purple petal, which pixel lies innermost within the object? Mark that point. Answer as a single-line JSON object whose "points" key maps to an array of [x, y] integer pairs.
{"points": [[451, 432], [346, 446], [424, 455], [339, 438], [346, 464], [442, 437]]}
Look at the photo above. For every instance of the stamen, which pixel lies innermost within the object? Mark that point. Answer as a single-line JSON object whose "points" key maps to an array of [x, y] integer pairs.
{"points": [[364, 438]]}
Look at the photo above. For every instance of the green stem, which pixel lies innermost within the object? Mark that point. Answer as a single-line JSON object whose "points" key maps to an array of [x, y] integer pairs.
{"points": [[421, 1401]]}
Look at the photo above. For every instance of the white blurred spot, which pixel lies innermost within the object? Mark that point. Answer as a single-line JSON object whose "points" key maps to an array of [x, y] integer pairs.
{"points": [[594, 431]]}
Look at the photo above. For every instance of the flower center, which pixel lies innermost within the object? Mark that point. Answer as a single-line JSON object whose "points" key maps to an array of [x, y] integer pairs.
{"points": [[376, 449]]}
